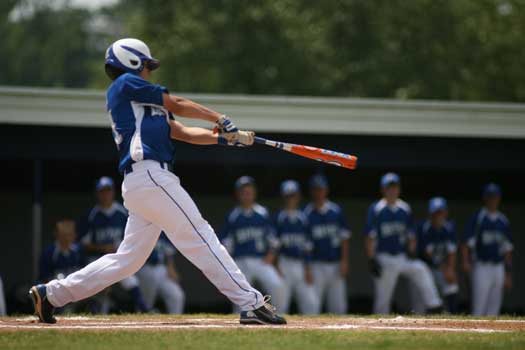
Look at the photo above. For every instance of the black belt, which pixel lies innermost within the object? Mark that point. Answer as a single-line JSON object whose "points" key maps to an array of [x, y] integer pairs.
{"points": [[163, 165]]}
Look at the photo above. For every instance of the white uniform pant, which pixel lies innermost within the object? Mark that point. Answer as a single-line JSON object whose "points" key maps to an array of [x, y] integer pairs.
{"points": [[296, 286], [154, 280], [156, 201], [393, 266], [487, 288], [255, 269], [329, 284], [445, 288]]}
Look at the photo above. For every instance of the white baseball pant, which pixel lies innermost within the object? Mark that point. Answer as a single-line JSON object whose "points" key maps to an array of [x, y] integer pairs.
{"points": [[296, 286], [393, 266], [329, 283], [445, 288], [154, 280], [255, 269], [487, 288], [156, 201]]}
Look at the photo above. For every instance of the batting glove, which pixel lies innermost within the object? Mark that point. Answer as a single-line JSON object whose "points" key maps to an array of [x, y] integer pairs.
{"points": [[225, 125], [230, 135], [239, 138]]}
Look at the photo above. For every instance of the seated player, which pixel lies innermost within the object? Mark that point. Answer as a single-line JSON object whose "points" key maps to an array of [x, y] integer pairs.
{"points": [[159, 277], [249, 236], [295, 250], [488, 247], [390, 236], [437, 246], [330, 236], [104, 231], [63, 256]]}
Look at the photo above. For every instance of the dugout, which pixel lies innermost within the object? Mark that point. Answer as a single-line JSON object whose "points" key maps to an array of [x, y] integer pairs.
{"points": [[56, 142]]}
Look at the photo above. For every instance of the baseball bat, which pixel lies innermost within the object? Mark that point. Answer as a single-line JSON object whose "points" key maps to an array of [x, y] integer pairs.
{"points": [[322, 155]]}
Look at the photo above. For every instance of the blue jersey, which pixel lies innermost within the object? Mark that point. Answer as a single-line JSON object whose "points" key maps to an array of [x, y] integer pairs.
{"points": [[390, 226], [55, 261], [139, 121], [293, 233], [105, 226], [436, 242], [488, 235], [328, 228], [249, 232], [163, 250]]}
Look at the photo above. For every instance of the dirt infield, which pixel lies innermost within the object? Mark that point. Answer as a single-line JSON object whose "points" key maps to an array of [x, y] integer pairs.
{"points": [[152, 322]]}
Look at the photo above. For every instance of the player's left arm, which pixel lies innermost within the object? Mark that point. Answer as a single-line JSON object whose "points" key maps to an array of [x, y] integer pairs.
{"points": [[186, 108]]}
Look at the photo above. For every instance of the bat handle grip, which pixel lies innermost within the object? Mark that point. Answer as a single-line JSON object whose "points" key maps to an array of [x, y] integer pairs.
{"points": [[260, 140]]}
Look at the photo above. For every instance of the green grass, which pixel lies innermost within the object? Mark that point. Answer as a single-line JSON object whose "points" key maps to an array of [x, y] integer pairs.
{"points": [[252, 338]]}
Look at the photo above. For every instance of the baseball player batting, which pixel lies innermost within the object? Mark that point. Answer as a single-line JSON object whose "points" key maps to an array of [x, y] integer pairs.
{"points": [[143, 125]]}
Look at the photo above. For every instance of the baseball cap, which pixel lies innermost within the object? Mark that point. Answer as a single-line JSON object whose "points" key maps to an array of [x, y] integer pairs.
{"points": [[491, 189], [104, 182], [318, 181], [289, 187], [436, 204], [243, 181], [390, 178]]}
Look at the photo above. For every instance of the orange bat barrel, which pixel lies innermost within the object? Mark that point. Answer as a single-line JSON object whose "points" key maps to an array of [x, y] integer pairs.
{"points": [[319, 154], [327, 156]]}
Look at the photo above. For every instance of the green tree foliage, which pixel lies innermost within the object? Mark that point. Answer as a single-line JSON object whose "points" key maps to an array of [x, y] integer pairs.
{"points": [[47, 48], [430, 49]]}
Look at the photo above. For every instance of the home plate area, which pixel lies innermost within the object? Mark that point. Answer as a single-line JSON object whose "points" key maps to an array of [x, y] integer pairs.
{"points": [[328, 323]]}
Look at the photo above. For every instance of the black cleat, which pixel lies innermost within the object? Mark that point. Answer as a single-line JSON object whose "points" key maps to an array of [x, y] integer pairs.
{"points": [[264, 315], [43, 308]]}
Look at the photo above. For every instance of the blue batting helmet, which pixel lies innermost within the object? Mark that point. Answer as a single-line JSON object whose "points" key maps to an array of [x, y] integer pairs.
{"points": [[130, 55]]}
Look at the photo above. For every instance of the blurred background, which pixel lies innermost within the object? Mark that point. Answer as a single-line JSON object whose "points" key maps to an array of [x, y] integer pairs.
{"points": [[433, 90]]}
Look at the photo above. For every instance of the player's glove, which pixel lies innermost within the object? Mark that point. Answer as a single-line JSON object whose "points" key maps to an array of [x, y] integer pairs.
{"points": [[375, 267], [230, 135]]}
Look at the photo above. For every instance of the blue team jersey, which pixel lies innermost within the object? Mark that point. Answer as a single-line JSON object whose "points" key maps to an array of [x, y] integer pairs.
{"points": [[55, 261], [249, 233], [488, 235], [328, 227], [292, 231], [105, 226], [390, 226], [437, 242], [163, 250], [139, 121]]}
